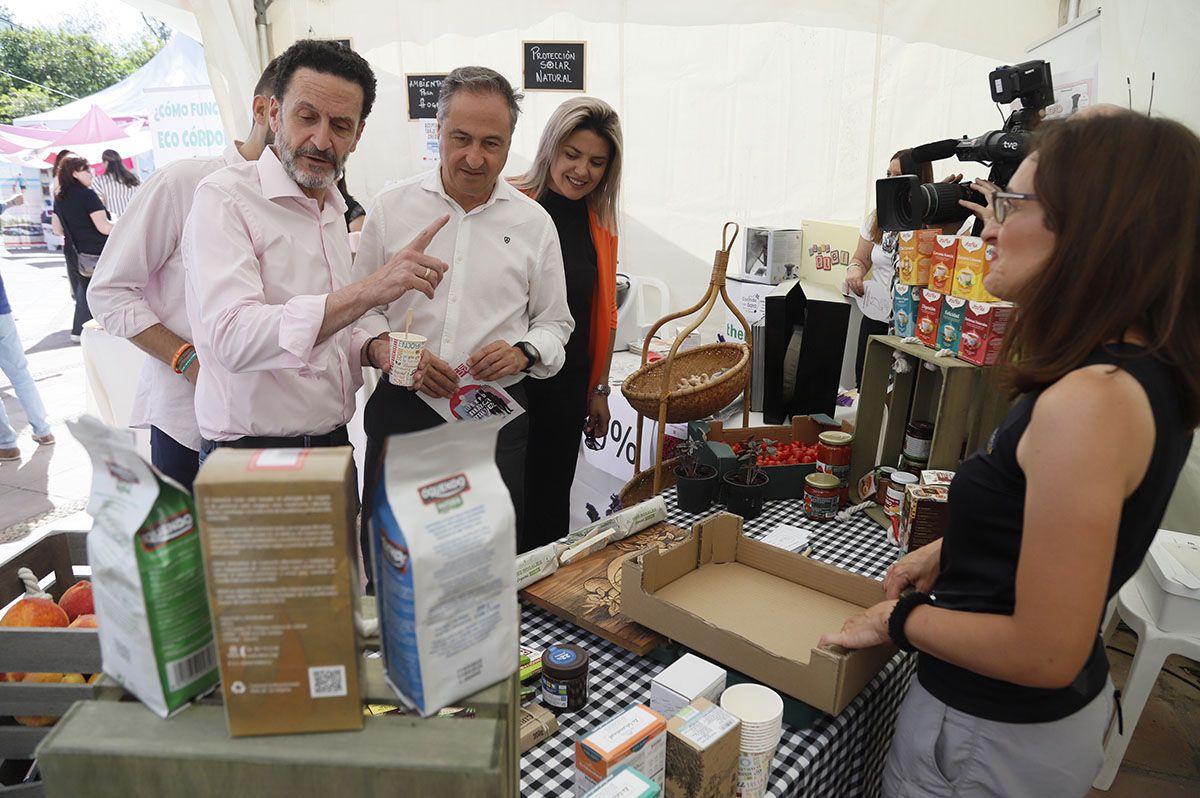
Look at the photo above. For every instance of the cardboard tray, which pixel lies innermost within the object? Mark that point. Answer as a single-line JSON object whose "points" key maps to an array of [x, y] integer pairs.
{"points": [[757, 609]]}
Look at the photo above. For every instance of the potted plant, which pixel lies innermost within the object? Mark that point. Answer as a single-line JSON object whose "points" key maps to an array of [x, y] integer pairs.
{"points": [[695, 482], [746, 486]]}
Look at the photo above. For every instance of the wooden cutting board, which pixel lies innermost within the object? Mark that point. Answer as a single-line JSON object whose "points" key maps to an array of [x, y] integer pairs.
{"points": [[587, 592]]}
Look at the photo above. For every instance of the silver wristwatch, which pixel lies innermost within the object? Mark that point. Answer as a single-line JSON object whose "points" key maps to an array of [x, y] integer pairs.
{"points": [[603, 389]]}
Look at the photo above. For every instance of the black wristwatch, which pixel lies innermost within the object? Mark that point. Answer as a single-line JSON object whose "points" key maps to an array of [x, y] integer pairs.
{"points": [[907, 603], [530, 352]]}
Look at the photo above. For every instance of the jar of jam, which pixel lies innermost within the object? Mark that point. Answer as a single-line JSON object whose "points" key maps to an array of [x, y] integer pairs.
{"points": [[918, 437], [895, 492], [822, 494], [833, 457], [883, 478], [913, 465], [565, 678]]}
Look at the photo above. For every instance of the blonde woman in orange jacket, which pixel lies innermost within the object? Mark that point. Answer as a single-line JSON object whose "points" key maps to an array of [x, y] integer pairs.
{"points": [[576, 176]]}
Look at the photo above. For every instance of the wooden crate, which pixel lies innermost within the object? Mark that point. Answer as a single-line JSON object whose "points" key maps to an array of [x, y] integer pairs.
{"points": [[39, 650], [114, 747], [961, 399]]}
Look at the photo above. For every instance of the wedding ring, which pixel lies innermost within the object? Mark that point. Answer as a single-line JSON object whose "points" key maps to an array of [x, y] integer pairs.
{"points": [[428, 273]]}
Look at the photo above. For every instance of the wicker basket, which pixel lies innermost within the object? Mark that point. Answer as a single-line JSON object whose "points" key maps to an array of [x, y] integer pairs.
{"points": [[641, 487], [697, 401]]}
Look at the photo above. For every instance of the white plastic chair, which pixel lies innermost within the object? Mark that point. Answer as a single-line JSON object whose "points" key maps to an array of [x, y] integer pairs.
{"points": [[1154, 646]]}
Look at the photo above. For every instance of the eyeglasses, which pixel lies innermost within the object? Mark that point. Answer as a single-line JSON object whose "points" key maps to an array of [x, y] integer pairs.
{"points": [[1004, 203]]}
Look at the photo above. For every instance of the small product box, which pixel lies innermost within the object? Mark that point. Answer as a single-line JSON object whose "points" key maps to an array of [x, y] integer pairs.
{"points": [[772, 255], [536, 724], [625, 783], [635, 738], [682, 682], [954, 309], [905, 302], [278, 528], [941, 274], [983, 331], [923, 518], [934, 476], [970, 268], [929, 313], [703, 742], [915, 256]]}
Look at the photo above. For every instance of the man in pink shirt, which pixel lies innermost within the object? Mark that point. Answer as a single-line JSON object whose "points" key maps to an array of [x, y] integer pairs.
{"points": [[267, 256], [137, 293]]}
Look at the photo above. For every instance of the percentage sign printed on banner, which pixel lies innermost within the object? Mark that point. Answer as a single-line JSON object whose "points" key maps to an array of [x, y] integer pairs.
{"points": [[625, 447]]}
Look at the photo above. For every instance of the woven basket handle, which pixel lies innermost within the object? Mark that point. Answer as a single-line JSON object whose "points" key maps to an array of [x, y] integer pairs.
{"points": [[721, 258]]}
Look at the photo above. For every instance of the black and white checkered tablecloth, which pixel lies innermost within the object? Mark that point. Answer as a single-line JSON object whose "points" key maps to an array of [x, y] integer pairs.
{"points": [[839, 756]]}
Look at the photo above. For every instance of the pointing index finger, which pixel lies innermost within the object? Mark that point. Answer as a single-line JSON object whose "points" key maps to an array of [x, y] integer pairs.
{"points": [[425, 236]]}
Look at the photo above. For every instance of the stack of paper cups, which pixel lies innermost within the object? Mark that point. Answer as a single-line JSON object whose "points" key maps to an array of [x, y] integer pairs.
{"points": [[761, 711]]}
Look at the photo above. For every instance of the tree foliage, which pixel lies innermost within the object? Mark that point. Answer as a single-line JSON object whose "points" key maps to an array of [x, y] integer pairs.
{"points": [[70, 59]]}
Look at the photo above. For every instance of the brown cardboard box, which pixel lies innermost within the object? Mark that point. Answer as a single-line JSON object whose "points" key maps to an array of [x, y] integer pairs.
{"points": [[709, 593], [703, 742], [280, 556], [924, 515], [537, 723]]}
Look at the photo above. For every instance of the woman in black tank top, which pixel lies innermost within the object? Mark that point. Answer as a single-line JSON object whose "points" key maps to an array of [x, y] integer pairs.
{"points": [[1097, 239]]}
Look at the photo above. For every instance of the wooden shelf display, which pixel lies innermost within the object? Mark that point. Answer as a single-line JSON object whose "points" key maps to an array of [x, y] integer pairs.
{"points": [[962, 401]]}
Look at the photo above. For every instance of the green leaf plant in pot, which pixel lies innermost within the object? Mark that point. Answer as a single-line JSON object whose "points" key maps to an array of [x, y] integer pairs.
{"points": [[695, 482], [746, 486]]}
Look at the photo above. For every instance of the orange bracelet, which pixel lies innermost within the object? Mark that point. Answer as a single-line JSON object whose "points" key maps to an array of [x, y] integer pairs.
{"points": [[179, 353]]}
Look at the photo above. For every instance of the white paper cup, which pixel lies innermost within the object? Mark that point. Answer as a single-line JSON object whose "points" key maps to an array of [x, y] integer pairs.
{"points": [[404, 350], [759, 708], [754, 771]]}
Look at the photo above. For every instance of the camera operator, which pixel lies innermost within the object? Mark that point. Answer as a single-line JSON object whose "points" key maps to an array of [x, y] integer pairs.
{"points": [[873, 266], [1054, 515]]}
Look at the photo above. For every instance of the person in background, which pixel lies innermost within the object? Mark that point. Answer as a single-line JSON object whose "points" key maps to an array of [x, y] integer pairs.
{"points": [[117, 184], [576, 177], [80, 216], [138, 292], [871, 275], [271, 302], [16, 368], [70, 255], [503, 314], [1046, 522]]}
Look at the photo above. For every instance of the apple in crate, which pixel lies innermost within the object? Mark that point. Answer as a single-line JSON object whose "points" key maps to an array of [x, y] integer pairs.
{"points": [[77, 600]]}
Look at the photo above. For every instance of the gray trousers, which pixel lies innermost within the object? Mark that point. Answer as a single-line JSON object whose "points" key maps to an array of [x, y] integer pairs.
{"points": [[939, 752]]}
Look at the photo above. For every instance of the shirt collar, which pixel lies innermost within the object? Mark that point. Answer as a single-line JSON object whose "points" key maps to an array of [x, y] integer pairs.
{"points": [[433, 182], [277, 183]]}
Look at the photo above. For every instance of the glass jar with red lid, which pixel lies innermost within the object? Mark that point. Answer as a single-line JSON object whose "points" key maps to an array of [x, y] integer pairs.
{"points": [[833, 457]]}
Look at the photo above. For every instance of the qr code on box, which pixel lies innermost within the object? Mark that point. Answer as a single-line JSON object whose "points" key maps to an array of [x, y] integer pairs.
{"points": [[327, 682]]}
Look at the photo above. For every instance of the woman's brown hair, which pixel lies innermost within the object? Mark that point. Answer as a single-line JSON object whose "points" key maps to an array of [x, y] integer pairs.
{"points": [[67, 167], [1119, 192]]}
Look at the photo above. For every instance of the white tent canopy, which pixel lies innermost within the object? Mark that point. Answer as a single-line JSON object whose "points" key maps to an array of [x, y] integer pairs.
{"points": [[179, 63]]}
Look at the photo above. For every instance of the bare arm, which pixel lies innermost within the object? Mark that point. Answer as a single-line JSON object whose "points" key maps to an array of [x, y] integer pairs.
{"points": [[1077, 480], [56, 225], [860, 264], [100, 219], [162, 344]]}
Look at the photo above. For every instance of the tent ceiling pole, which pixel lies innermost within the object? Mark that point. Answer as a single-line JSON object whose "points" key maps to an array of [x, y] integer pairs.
{"points": [[260, 23]]}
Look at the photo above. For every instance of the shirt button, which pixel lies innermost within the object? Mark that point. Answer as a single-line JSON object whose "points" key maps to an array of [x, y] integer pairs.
{"points": [[459, 258]]}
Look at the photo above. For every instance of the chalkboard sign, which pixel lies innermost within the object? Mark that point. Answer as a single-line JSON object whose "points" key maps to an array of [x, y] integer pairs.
{"points": [[423, 93], [554, 66]]}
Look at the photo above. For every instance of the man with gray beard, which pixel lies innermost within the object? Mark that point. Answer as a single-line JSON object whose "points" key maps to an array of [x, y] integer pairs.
{"points": [[270, 297]]}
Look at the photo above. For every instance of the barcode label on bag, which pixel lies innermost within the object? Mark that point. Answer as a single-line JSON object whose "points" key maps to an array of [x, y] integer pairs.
{"points": [[182, 672], [327, 682]]}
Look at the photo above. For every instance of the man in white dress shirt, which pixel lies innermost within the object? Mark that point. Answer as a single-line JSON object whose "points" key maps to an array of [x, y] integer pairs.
{"points": [[137, 293], [503, 311]]}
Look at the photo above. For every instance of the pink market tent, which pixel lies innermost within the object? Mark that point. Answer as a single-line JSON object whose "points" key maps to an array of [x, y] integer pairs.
{"points": [[94, 134]]}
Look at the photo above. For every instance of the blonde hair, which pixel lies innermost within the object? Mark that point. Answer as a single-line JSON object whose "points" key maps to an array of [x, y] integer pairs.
{"points": [[580, 113]]}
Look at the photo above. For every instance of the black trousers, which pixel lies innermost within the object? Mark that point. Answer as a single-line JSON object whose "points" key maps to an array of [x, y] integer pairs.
{"points": [[83, 313], [393, 410], [72, 259], [173, 458], [557, 414], [868, 328]]}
